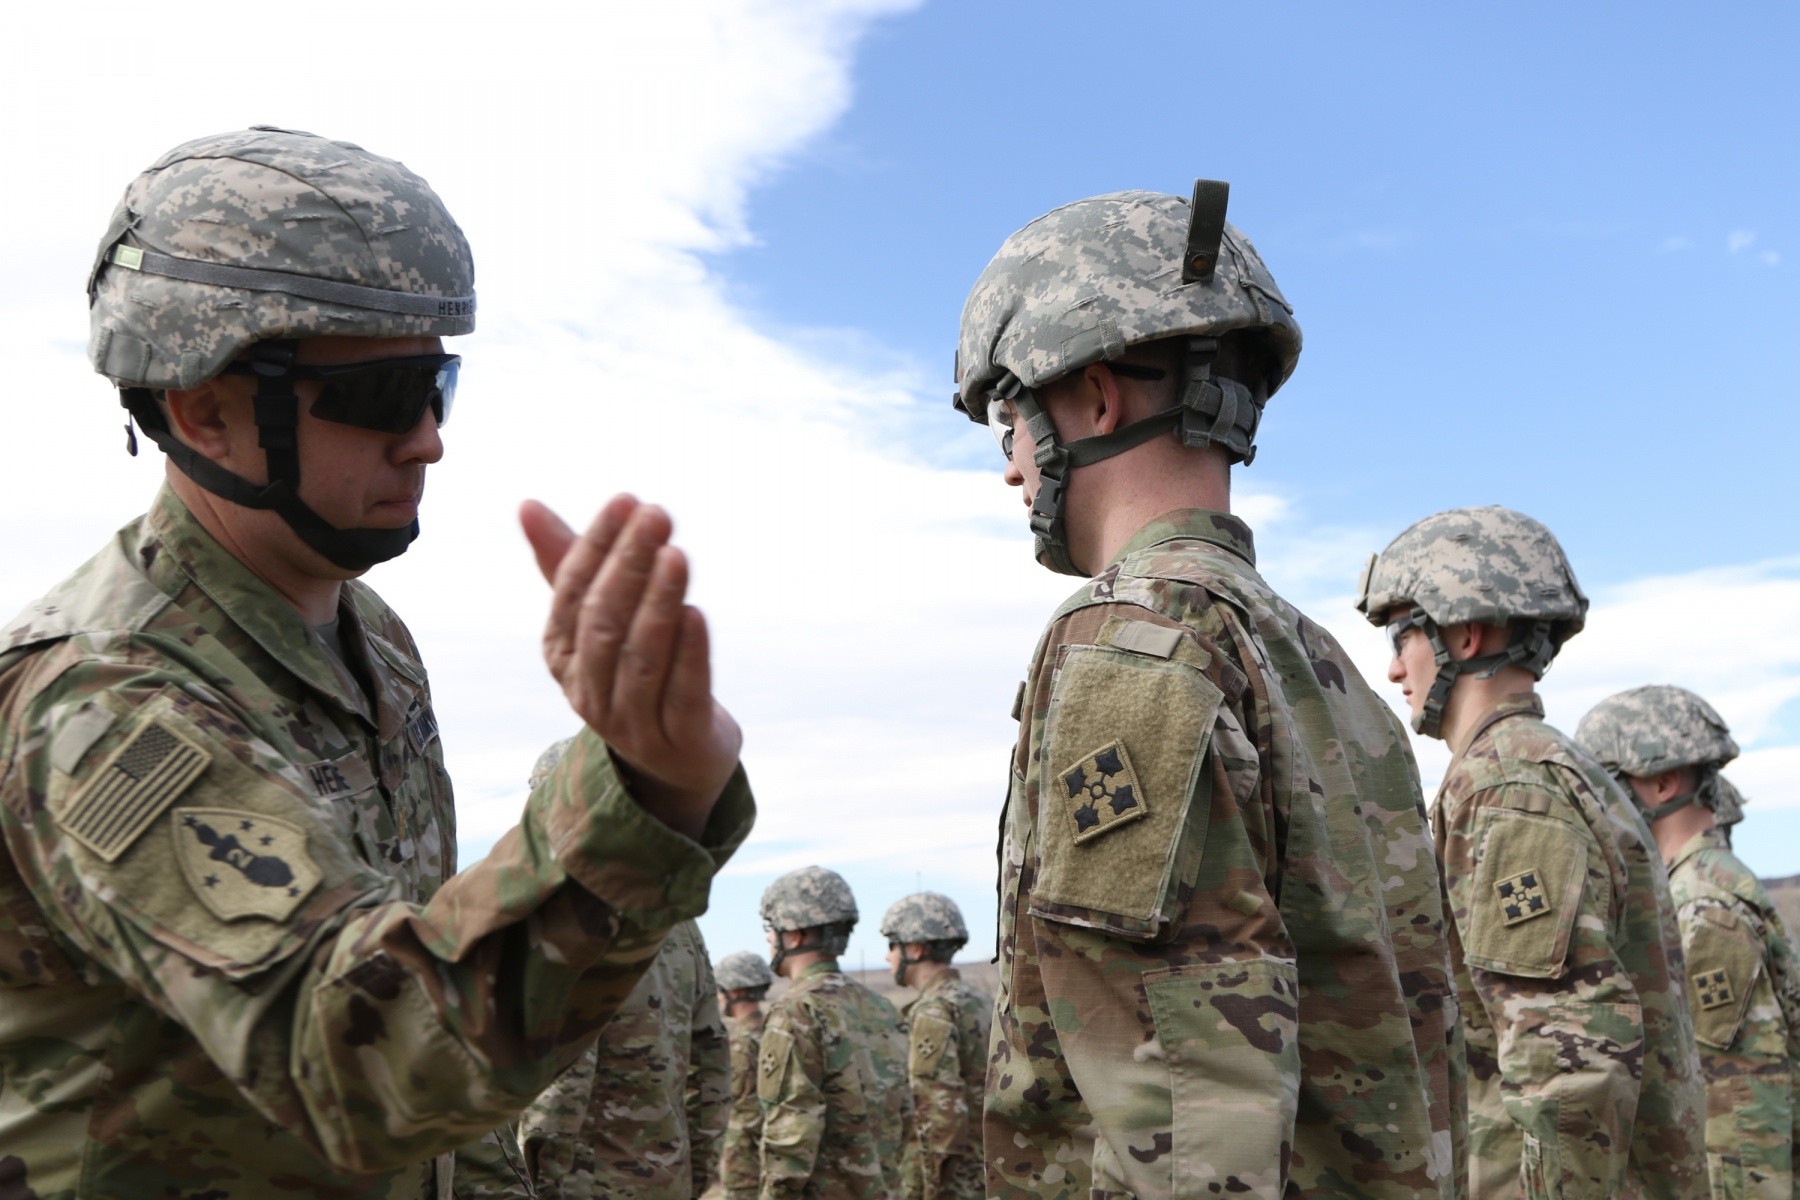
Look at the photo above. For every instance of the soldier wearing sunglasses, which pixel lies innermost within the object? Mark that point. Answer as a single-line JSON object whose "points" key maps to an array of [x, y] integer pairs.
{"points": [[235, 954]]}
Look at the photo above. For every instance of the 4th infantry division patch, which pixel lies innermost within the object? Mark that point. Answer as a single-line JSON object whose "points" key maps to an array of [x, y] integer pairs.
{"points": [[1522, 897], [1103, 792], [127, 793], [1713, 988]]}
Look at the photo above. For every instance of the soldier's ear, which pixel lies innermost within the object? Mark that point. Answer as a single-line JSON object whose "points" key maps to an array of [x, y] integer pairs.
{"points": [[206, 417]]}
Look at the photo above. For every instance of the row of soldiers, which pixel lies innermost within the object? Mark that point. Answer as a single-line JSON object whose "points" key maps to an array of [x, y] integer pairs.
{"points": [[1236, 957]]}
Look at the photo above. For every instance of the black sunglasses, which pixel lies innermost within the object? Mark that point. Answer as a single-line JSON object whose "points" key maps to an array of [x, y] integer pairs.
{"points": [[388, 395]]}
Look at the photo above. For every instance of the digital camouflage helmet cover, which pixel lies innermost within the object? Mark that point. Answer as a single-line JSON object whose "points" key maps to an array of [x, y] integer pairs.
{"points": [[234, 247], [1648, 730], [1087, 282]]}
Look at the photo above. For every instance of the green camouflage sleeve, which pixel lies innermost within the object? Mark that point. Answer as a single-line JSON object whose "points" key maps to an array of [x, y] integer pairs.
{"points": [[789, 1073], [708, 1080], [380, 1032], [940, 1101], [741, 1159], [548, 1130], [1744, 1039], [1530, 889]]}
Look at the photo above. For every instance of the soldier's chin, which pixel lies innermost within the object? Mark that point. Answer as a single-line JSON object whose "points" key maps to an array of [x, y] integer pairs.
{"points": [[391, 514]]}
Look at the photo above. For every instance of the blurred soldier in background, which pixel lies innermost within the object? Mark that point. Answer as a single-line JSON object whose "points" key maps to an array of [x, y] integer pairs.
{"points": [[234, 957], [1223, 965], [640, 1115], [744, 980], [831, 1074], [1666, 746], [1583, 1074], [947, 1031]]}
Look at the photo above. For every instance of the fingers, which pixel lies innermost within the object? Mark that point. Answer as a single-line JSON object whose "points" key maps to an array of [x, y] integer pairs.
{"points": [[611, 603], [650, 642], [574, 573], [688, 708], [549, 536]]}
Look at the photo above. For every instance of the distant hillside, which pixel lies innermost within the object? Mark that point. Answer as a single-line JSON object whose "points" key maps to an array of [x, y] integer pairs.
{"points": [[984, 975]]}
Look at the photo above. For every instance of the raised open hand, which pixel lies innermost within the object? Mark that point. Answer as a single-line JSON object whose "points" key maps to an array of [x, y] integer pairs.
{"points": [[633, 658]]}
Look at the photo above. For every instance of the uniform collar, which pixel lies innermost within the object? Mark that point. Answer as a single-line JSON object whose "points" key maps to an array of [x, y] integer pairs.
{"points": [[1706, 839], [190, 553], [827, 966], [1517, 704], [1194, 524]]}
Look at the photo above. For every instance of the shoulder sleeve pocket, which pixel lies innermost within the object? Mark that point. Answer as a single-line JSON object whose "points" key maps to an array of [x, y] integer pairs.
{"points": [[772, 1064], [1124, 740], [1723, 969], [1527, 892], [930, 1037]]}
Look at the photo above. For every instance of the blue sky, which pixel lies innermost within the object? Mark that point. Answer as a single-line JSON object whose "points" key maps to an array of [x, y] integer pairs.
{"points": [[1544, 256]]}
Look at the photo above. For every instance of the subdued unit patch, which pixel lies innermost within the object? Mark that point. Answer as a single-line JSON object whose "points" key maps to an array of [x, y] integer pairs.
{"points": [[1712, 989], [144, 776], [243, 864], [1103, 792], [1522, 897]]}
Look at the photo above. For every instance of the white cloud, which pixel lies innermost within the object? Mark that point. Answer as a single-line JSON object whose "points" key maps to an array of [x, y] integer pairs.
{"points": [[1740, 240], [1675, 244]]}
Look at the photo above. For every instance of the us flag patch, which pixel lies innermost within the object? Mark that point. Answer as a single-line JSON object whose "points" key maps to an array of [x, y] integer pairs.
{"points": [[131, 789]]}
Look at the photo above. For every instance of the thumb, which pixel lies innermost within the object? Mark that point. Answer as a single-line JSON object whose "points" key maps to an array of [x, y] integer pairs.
{"points": [[549, 535]]}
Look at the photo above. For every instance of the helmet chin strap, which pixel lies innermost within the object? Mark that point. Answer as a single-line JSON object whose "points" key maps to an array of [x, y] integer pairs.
{"points": [[276, 409], [1531, 647], [783, 951], [903, 963], [1210, 411], [1700, 794]]}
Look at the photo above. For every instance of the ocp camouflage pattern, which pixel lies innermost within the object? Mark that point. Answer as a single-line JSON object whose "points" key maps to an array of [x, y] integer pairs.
{"points": [[1223, 964], [1744, 993], [947, 1050], [740, 1157], [641, 1113], [152, 1047], [1489, 565], [269, 200], [1583, 1076], [831, 1078]]}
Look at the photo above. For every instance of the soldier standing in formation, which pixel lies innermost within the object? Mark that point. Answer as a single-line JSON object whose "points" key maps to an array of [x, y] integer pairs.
{"points": [[1223, 964], [743, 980], [235, 959], [640, 1115], [1584, 1076], [1666, 745], [947, 1028], [831, 1074]]}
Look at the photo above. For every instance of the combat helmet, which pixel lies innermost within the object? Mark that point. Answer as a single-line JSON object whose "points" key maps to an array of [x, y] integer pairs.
{"points": [[1089, 281], [810, 898], [230, 249], [929, 918], [1648, 730], [1491, 566], [743, 972]]}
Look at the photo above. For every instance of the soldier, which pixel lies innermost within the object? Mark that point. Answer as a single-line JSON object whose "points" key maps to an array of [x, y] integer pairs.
{"points": [[642, 1111], [947, 1030], [1666, 745], [1223, 966], [234, 956], [831, 1075], [1584, 1080], [744, 980]]}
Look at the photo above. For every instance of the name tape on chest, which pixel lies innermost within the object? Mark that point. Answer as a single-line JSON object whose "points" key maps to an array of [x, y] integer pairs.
{"points": [[130, 790], [421, 727], [346, 776]]}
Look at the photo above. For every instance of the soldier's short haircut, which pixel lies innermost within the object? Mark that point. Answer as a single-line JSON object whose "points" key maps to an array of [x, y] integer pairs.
{"points": [[942, 950]]}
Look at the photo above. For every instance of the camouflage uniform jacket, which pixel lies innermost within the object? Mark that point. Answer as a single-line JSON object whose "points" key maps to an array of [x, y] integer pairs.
{"points": [[831, 1077], [740, 1165], [1744, 992], [1223, 964], [1583, 1079], [947, 1031], [641, 1112], [233, 958]]}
